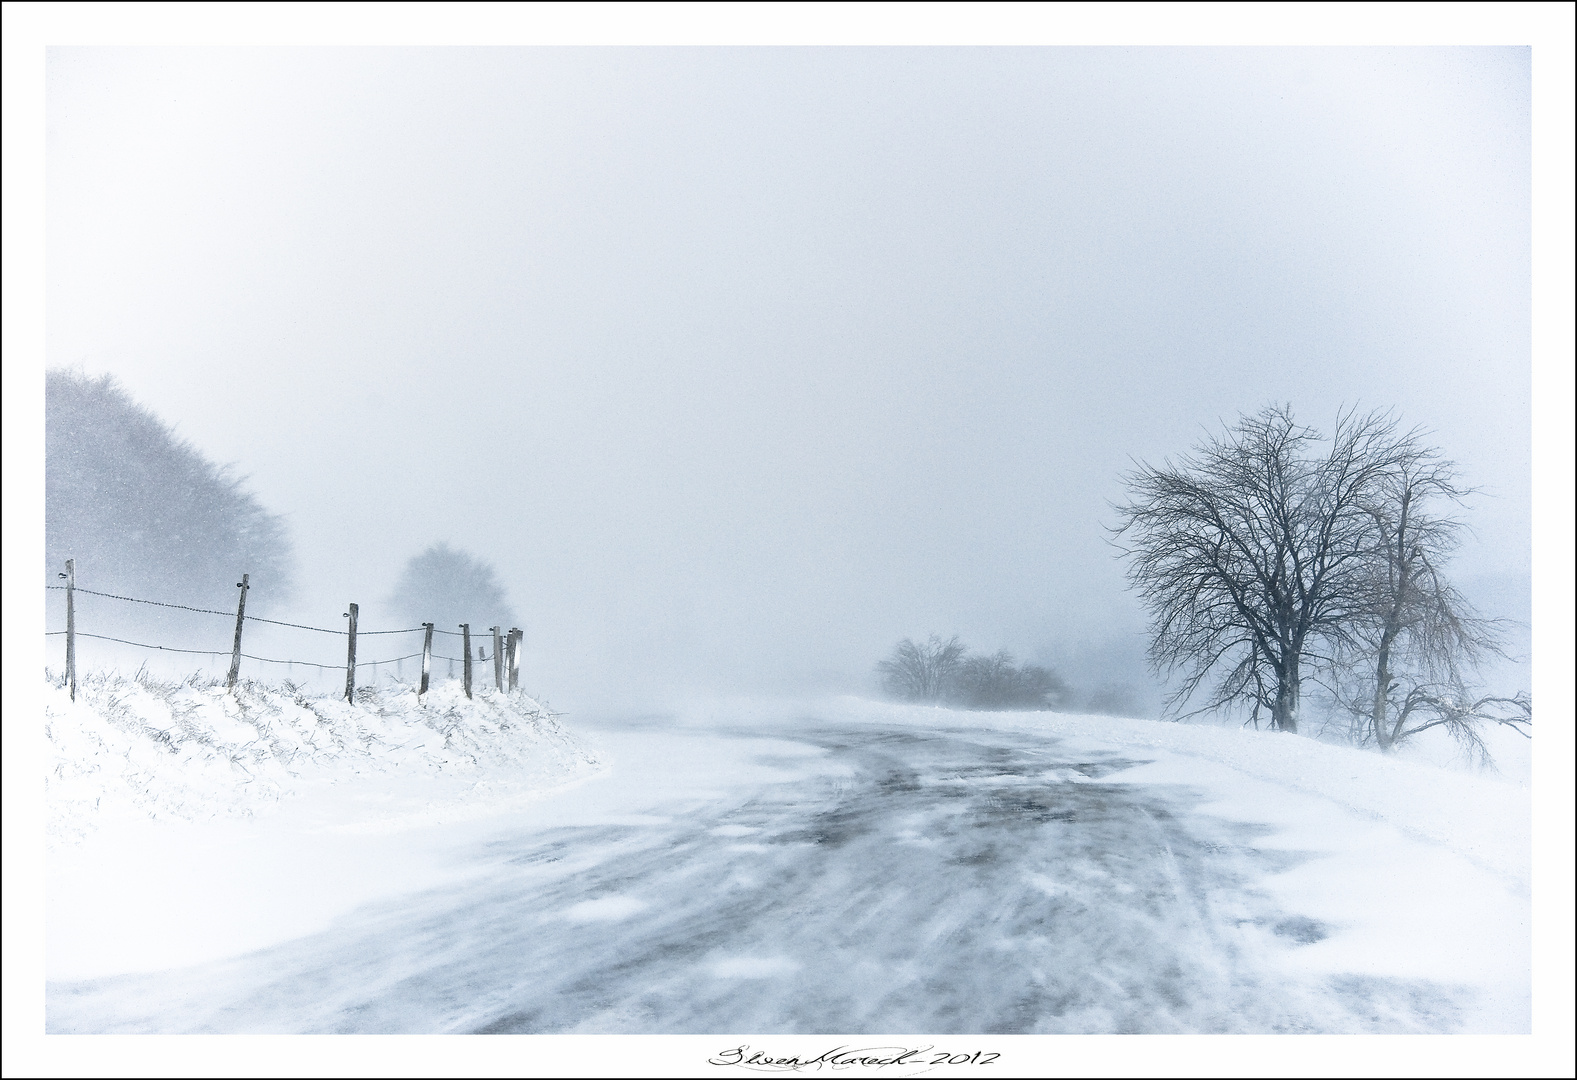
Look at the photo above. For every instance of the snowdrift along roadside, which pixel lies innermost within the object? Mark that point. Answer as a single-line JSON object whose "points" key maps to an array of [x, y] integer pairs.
{"points": [[140, 747]]}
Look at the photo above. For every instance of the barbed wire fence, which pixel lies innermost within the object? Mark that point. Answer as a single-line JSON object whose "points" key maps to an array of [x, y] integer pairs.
{"points": [[505, 656]]}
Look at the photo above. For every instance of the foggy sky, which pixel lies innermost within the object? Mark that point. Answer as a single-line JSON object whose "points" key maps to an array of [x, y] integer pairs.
{"points": [[740, 364]]}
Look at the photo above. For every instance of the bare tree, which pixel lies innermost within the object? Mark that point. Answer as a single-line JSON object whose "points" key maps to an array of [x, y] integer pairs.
{"points": [[1416, 640], [1254, 550], [921, 672]]}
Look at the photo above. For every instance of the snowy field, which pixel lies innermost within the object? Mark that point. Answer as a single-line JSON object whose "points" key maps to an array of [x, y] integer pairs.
{"points": [[806, 867]]}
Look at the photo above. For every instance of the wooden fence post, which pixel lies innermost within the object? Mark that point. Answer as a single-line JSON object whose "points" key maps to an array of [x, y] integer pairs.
{"points": [[240, 616], [350, 658], [427, 655], [498, 657], [514, 658], [71, 626], [465, 640]]}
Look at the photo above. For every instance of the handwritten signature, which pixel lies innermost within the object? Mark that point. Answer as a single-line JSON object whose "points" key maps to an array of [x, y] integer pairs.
{"points": [[843, 1057]]}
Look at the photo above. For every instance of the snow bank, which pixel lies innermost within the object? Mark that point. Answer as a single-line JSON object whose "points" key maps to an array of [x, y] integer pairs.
{"points": [[140, 747]]}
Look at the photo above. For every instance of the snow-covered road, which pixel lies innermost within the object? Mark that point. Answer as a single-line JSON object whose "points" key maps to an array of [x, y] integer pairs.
{"points": [[801, 871]]}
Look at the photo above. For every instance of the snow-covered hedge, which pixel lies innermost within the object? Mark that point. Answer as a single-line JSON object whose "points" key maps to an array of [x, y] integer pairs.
{"points": [[191, 750]]}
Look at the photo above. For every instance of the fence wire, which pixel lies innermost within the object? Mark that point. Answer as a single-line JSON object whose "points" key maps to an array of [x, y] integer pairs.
{"points": [[135, 600], [252, 618], [231, 614], [244, 656], [160, 648]]}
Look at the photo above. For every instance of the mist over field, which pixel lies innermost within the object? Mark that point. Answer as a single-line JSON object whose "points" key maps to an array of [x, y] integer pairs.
{"points": [[740, 365]]}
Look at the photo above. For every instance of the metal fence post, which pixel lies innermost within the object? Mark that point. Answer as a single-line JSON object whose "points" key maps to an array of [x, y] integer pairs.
{"points": [[465, 651]]}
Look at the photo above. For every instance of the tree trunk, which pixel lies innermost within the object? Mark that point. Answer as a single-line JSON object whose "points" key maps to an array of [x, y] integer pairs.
{"points": [[1285, 713], [1382, 690]]}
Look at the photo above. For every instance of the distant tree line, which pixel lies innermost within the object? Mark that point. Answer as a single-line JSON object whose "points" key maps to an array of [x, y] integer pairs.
{"points": [[1272, 558], [944, 672]]}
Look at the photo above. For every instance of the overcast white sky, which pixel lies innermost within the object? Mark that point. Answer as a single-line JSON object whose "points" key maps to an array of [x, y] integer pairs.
{"points": [[741, 364]]}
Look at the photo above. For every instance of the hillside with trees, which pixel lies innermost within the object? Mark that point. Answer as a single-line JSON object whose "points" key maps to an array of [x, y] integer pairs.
{"points": [[142, 511]]}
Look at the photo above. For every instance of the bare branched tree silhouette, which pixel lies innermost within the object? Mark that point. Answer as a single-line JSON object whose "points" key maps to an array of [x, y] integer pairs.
{"points": [[921, 672], [1272, 555], [1407, 665]]}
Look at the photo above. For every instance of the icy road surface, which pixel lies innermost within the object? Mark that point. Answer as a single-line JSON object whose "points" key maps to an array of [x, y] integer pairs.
{"points": [[800, 875]]}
